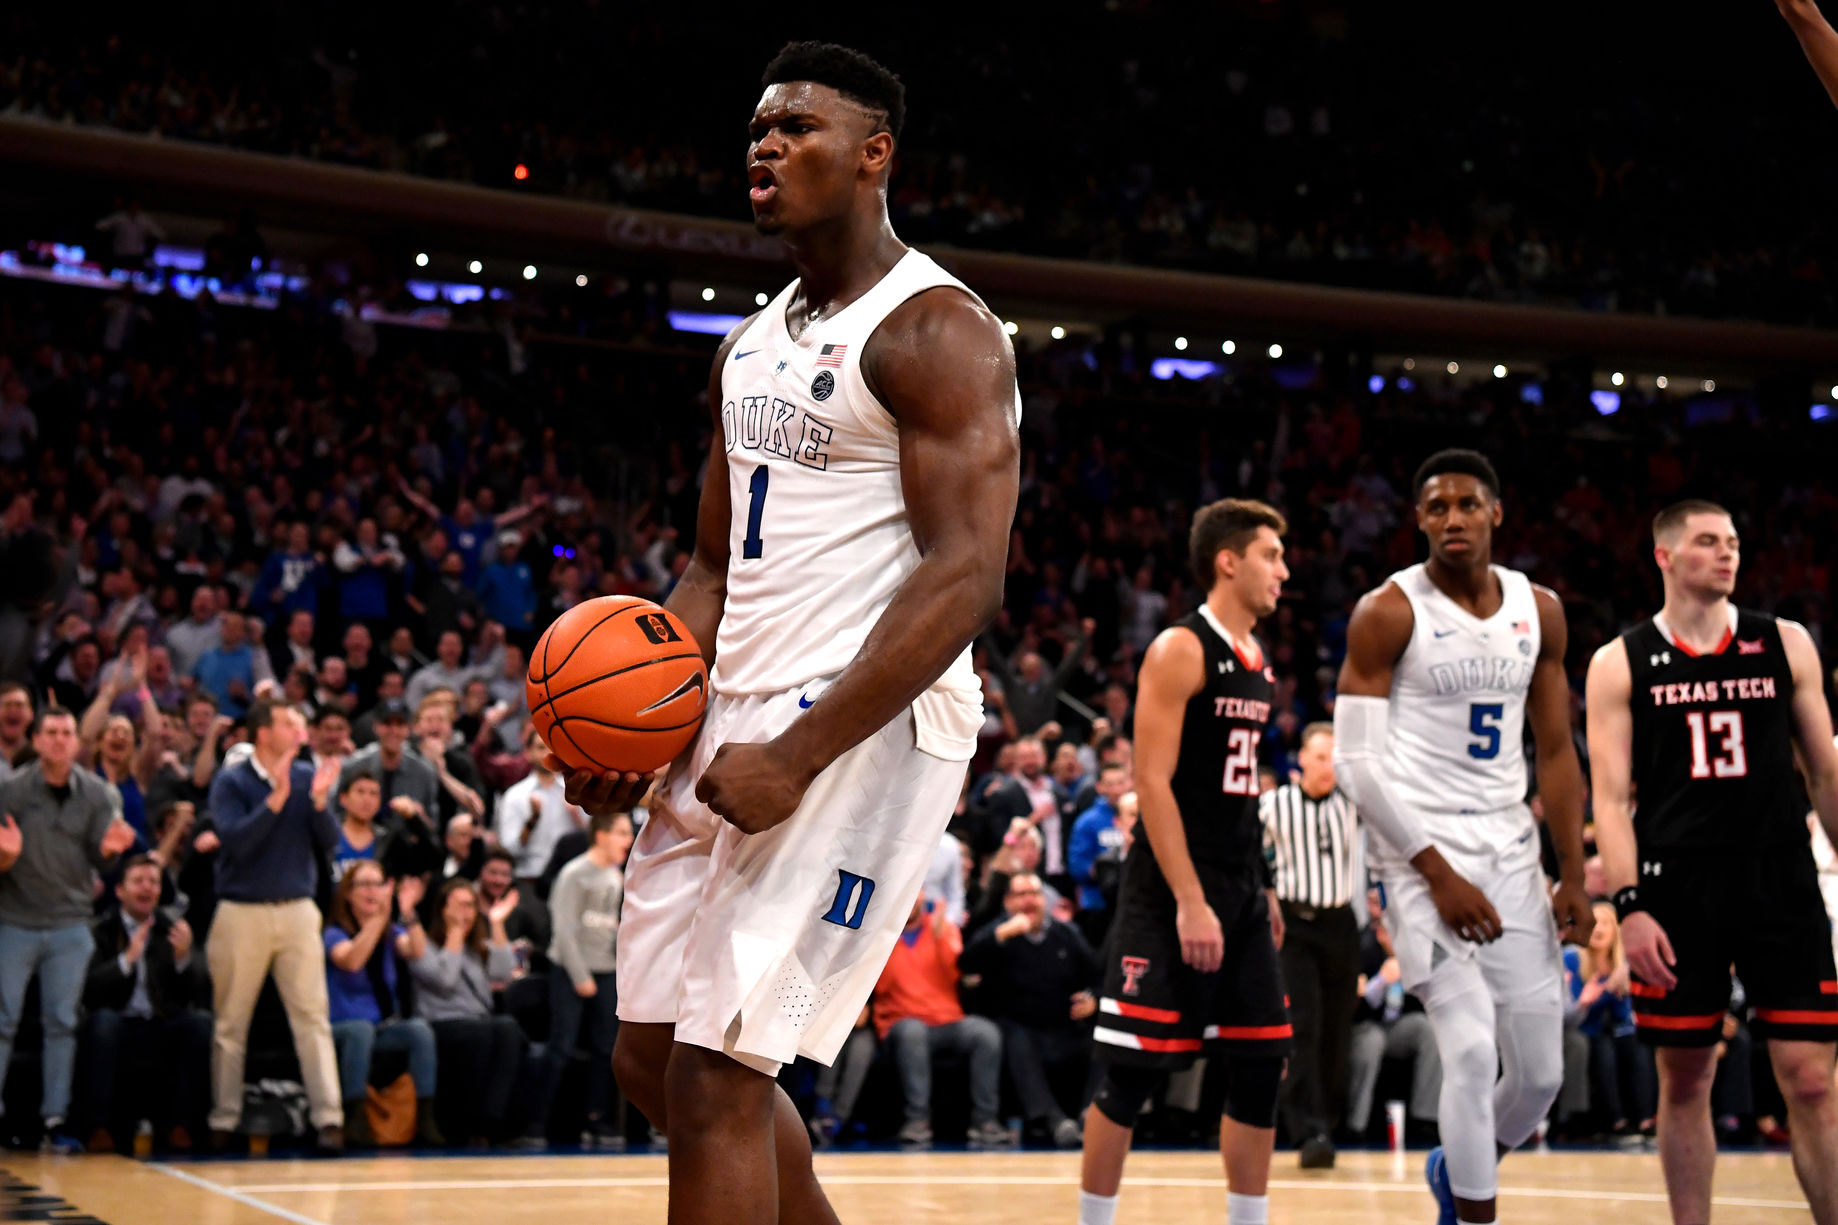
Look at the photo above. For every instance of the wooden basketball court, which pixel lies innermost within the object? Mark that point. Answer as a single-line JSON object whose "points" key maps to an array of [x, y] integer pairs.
{"points": [[1558, 1188]]}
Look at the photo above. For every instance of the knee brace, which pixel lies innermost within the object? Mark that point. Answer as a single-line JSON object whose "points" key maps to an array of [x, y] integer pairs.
{"points": [[1123, 1092], [1250, 1098]]}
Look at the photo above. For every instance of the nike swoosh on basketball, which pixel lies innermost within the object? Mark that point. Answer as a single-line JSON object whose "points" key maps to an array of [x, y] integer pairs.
{"points": [[748, 353], [804, 702]]}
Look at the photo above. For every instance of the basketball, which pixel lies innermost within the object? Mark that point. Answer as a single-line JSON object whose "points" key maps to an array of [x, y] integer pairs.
{"points": [[617, 683]]}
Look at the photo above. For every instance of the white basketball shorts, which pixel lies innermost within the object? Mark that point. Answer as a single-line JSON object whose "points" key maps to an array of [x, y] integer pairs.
{"points": [[766, 946], [1522, 970]]}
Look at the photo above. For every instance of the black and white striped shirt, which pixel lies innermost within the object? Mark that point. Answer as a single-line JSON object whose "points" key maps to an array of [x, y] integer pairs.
{"points": [[1312, 844]]}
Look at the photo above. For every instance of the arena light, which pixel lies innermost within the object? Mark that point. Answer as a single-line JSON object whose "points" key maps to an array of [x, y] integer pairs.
{"points": [[1180, 342], [1166, 368], [1059, 333], [1835, 391], [1453, 367], [1410, 363], [1617, 378], [421, 259], [475, 267], [708, 293], [1375, 384], [760, 299], [1011, 327], [581, 280], [1229, 347], [702, 322], [1608, 403], [1820, 412], [1661, 382], [1710, 384], [1275, 351], [521, 173], [1405, 384], [1499, 372]]}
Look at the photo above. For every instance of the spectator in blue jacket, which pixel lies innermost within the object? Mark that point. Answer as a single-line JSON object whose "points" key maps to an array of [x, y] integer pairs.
{"points": [[230, 671], [1622, 1079], [507, 589], [272, 814], [291, 578], [369, 569], [1097, 830]]}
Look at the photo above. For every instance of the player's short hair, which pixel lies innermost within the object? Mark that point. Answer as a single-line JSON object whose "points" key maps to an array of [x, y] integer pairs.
{"points": [[1668, 523], [1230, 523], [855, 76], [1313, 730], [1458, 461], [53, 711]]}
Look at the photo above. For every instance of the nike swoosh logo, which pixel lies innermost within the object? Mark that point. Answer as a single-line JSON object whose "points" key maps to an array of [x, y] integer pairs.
{"points": [[1444, 633], [748, 353], [804, 702]]}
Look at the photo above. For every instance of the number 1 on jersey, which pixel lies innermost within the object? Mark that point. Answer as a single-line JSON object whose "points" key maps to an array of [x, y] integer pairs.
{"points": [[756, 507]]}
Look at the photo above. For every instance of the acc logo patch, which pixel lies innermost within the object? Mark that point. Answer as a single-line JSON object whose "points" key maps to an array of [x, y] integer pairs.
{"points": [[823, 385]]}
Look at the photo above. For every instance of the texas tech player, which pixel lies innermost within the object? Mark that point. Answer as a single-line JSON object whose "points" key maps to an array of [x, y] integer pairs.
{"points": [[1697, 713], [1192, 960]]}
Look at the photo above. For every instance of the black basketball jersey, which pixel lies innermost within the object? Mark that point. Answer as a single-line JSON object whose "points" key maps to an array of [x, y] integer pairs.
{"points": [[1215, 778], [1713, 741]]}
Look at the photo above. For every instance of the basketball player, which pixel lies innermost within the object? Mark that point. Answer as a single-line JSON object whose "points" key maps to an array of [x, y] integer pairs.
{"points": [[1698, 712], [1191, 961], [1445, 663], [850, 544]]}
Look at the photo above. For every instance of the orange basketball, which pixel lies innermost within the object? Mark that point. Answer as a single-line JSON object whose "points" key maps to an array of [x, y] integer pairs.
{"points": [[617, 683]]}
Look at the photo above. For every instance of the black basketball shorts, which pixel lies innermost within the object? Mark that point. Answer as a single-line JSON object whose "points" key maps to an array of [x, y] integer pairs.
{"points": [[1156, 1010], [1760, 912]]}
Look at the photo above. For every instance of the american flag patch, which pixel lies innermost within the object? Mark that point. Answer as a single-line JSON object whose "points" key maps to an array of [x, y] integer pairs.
{"points": [[1750, 648], [831, 355], [1522, 627]]}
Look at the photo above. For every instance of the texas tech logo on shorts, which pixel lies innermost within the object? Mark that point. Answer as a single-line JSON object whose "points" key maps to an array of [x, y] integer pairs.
{"points": [[1133, 970]]}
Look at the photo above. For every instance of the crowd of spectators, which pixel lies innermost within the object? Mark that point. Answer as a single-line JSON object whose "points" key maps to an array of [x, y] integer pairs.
{"points": [[280, 579], [1289, 141]]}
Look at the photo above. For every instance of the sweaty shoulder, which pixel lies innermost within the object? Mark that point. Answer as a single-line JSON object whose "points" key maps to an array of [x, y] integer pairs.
{"points": [[1177, 660], [940, 340], [1383, 618]]}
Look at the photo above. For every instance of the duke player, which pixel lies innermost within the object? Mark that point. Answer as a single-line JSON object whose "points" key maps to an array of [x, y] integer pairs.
{"points": [[1445, 662], [850, 544], [1191, 961], [1698, 712]]}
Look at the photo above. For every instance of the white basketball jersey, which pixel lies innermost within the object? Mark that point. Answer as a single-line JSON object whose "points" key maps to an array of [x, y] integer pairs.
{"points": [[1456, 751], [819, 540]]}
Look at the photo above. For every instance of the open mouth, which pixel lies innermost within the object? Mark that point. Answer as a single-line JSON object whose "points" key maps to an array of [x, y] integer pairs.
{"points": [[764, 185]]}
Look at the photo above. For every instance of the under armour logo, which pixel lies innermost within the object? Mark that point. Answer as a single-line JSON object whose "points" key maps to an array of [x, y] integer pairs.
{"points": [[1222, 669], [1663, 657], [1133, 970], [1228, 666], [1650, 868]]}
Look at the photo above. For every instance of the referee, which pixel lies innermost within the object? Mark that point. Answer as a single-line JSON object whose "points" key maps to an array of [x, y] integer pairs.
{"points": [[1310, 837]]}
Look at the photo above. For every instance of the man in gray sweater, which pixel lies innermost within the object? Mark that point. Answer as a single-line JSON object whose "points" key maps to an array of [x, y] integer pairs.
{"points": [[584, 910], [58, 825]]}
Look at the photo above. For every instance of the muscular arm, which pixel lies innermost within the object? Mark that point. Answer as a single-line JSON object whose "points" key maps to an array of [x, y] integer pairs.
{"points": [[702, 592], [944, 369], [1560, 778], [1377, 635], [1611, 763], [1812, 726], [1173, 670], [1817, 39]]}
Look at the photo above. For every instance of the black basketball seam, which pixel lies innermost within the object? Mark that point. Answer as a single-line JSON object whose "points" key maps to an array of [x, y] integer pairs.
{"points": [[549, 698], [557, 725], [585, 635], [622, 727]]}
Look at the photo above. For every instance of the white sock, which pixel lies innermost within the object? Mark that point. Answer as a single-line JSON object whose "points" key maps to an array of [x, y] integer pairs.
{"points": [[1097, 1209], [1247, 1209]]}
